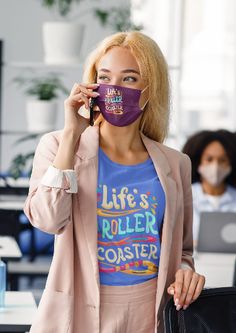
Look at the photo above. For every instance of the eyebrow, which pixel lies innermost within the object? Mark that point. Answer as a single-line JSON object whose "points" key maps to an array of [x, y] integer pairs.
{"points": [[128, 70]]}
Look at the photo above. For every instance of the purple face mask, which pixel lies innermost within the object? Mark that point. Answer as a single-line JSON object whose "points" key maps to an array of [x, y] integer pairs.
{"points": [[118, 105]]}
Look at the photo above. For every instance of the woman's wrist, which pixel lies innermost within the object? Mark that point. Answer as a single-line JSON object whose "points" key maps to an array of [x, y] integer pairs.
{"points": [[71, 136], [65, 155]]}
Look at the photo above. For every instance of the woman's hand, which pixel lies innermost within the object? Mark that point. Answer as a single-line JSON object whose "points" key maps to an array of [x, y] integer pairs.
{"points": [[186, 288], [75, 124], [79, 96]]}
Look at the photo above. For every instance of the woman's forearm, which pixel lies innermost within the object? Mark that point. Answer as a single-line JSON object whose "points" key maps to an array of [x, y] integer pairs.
{"points": [[64, 158], [75, 124]]}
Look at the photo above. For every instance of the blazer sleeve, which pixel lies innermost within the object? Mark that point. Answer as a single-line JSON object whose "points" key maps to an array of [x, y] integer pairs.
{"points": [[49, 202], [187, 252]]}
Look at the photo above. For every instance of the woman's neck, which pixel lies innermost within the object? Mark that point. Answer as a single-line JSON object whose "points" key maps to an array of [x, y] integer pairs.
{"points": [[213, 190], [120, 139], [122, 144]]}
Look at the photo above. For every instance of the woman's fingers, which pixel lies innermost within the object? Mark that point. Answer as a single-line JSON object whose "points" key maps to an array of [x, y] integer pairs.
{"points": [[74, 88], [179, 282], [77, 100], [171, 289], [190, 283], [80, 99], [80, 94], [190, 279], [199, 287], [186, 288], [87, 89]]}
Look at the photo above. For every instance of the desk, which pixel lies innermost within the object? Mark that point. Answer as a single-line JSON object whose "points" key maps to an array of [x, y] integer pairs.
{"points": [[218, 268], [9, 249], [13, 202], [18, 313], [11, 207]]}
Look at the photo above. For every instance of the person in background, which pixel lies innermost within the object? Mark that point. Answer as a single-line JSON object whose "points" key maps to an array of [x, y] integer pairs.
{"points": [[213, 156], [117, 199]]}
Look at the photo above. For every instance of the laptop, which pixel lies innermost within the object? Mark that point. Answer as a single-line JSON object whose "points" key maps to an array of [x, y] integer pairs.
{"points": [[217, 232]]}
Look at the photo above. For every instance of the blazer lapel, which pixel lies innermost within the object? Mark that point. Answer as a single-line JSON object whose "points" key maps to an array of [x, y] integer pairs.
{"points": [[87, 171], [169, 186]]}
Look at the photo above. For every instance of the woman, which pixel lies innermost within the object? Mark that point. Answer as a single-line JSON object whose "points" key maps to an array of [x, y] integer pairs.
{"points": [[118, 200], [213, 155]]}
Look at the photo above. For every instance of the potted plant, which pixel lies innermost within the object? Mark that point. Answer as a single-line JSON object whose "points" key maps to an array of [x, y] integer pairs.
{"points": [[62, 38], [118, 18], [21, 164], [62, 6], [41, 108]]}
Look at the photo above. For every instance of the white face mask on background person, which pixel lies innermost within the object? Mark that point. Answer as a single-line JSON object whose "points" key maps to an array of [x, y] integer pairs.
{"points": [[214, 173]]}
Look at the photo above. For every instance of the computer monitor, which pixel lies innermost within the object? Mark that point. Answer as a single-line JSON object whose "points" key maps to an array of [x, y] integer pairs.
{"points": [[217, 232]]}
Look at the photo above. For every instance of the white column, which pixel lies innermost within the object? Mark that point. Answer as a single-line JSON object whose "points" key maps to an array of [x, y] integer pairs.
{"points": [[162, 20], [229, 61]]}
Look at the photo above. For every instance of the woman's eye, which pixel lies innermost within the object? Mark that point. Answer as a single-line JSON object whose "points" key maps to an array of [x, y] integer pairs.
{"points": [[209, 159], [130, 79], [224, 161], [103, 78]]}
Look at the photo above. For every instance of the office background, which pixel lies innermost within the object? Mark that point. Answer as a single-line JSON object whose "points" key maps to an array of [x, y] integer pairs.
{"points": [[198, 39]]}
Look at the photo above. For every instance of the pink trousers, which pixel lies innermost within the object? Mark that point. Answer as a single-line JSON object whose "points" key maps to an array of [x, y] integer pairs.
{"points": [[128, 309]]}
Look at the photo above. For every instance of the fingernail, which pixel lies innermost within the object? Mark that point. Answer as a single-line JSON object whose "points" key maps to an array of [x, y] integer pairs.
{"points": [[96, 84], [176, 302], [185, 307], [96, 93], [178, 307]]}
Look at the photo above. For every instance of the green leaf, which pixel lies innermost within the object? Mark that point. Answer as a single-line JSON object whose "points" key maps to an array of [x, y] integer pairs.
{"points": [[43, 87], [27, 137], [63, 6], [118, 18], [102, 15], [19, 164]]}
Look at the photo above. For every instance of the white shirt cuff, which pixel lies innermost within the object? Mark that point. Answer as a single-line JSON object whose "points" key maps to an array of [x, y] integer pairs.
{"points": [[185, 266], [63, 179]]}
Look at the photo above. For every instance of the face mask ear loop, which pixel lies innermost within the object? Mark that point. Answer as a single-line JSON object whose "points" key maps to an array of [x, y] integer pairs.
{"points": [[144, 89], [142, 108]]}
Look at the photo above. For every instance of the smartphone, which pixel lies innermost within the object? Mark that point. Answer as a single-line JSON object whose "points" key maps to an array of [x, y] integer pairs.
{"points": [[91, 114]]}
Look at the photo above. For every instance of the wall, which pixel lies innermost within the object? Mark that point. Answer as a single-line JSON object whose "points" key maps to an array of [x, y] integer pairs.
{"points": [[20, 29]]}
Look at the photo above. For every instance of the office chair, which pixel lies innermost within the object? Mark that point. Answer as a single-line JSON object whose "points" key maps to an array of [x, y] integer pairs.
{"points": [[9, 223], [234, 277], [213, 312]]}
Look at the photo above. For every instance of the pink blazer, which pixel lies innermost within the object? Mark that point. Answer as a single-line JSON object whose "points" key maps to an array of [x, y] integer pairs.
{"points": [[70, 301]]}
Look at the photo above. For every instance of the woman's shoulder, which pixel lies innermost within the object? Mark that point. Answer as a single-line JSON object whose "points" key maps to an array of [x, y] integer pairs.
{"points": [[169, 150], [197, 190], [232, 191], [50, 141], [51, 136], [178, 162], [196, 186], [173, 155]]}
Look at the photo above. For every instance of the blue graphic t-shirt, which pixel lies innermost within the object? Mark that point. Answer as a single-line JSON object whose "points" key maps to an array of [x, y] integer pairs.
{"points": [[130, 210]]}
